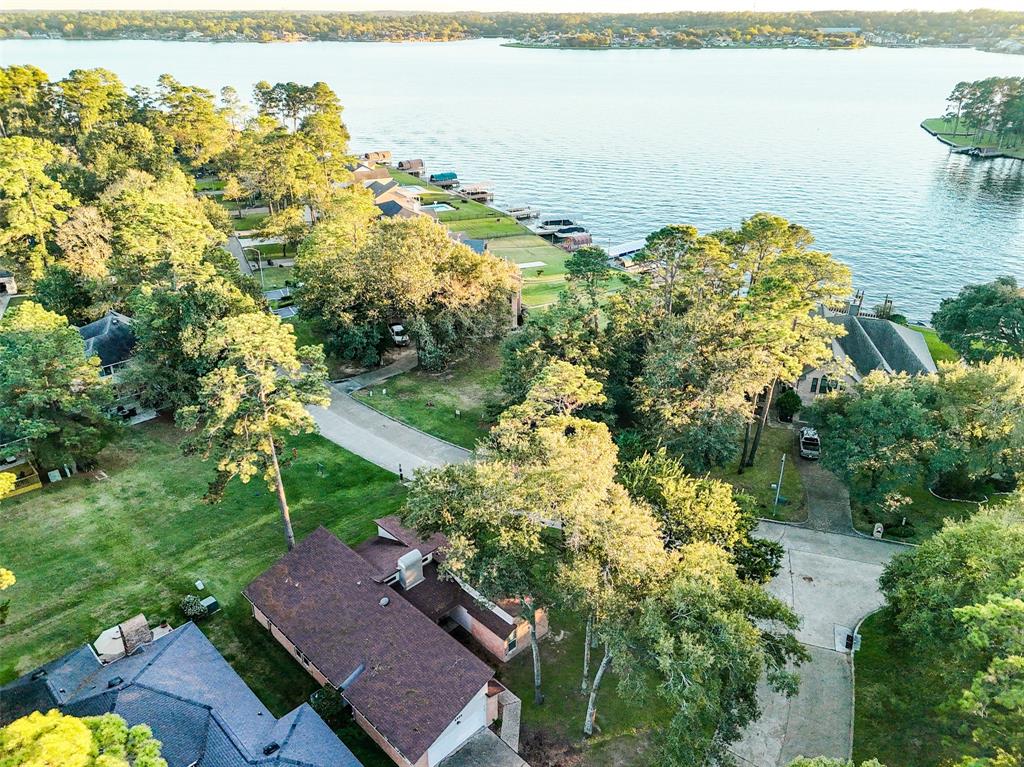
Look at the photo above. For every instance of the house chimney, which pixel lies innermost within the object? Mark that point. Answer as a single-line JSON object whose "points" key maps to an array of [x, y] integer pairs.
{"points": [[410, 569]]}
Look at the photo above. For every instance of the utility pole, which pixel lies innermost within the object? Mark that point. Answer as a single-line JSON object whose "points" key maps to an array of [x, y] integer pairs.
{"points": [[778, 487]]}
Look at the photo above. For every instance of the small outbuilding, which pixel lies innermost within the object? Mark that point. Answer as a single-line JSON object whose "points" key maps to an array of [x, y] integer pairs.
{"points": [[8, 286]]}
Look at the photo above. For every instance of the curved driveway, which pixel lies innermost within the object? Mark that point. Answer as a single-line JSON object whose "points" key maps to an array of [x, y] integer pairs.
{"points": [[831, 581]]}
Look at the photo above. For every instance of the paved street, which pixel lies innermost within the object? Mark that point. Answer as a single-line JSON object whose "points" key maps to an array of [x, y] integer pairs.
{"points": [[831, 581]]}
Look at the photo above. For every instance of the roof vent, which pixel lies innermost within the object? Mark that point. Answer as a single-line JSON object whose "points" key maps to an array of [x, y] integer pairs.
{"points": [[410, 568], [114, 682], [385, 601], [271, 748]]}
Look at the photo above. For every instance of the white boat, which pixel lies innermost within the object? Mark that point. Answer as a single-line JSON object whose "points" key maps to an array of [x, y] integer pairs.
{"points": [[549, 224]]}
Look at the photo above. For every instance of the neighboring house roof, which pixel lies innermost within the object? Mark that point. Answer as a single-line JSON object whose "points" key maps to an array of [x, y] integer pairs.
{"points": [[394, 665], [392, 208], [197, 706], [380, 187], [5, 273], [874, 344], [110, 338]]}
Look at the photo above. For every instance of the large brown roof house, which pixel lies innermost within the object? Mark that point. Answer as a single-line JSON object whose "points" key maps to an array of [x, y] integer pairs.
{"points": [[366, 624]]}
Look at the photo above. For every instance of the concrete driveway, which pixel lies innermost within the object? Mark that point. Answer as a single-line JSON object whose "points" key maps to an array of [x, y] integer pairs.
{"points": [[379, 439], [831, 581]]}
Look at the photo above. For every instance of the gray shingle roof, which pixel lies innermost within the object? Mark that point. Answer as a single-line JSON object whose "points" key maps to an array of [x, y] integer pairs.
{"points": [[197, 706], [110, 338]]}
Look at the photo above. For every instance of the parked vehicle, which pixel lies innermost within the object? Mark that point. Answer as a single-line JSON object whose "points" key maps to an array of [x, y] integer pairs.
{"points": [[398, 334], [810, 444]]}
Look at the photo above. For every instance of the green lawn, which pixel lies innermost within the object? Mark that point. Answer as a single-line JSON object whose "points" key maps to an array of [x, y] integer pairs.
{"points": [[757, 480], [965, 136], [624, 725], [898, 693], [88, 553], [274, 249], [925, 514], [406, 179], [428, 401], [940, 350], [209, 184], [274, 276], [491, 227], [246, 223]]}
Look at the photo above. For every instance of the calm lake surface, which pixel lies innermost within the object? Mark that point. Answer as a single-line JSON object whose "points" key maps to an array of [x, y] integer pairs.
{"points": [[632, 140]]}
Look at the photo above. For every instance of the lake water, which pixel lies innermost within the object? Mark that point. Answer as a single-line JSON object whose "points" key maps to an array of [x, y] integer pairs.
{"points": [[633, 140]]}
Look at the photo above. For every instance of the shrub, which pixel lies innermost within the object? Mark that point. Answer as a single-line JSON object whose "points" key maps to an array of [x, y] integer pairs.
{"points": [[193, 607], [788, 405], [328, 703]]}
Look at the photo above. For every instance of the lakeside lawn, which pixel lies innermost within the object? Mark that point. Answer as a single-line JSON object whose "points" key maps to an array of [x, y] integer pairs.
{"points": [[757, 480], [90, 553], [625, 725], [940, 350], [898, 694], [962, 135], [428, 401]]}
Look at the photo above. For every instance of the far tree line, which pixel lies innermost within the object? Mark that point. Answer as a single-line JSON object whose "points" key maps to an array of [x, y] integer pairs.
{"points": [[959, 26]]}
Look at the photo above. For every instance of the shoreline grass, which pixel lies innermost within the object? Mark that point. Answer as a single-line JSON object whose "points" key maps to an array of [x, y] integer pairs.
{"points": [[949, 133]]}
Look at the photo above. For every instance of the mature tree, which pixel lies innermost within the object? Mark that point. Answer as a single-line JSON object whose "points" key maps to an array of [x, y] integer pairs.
{"points": [[159, 229], [633, 324], [563, 332], [976, 410], [984, 321], [589, 267], [665, 257], [111, 149], [994, 702], [692, 388], [701, 510], [408, 271], [65, 293], [288, 225], [84, 241], [21, 95], [187, 117], [172, 328], [709, 637], [32, 204], [958, 566], [50, 394], [52, 739], [879, 435], [259, 387], [234, 192], [85, 99]]}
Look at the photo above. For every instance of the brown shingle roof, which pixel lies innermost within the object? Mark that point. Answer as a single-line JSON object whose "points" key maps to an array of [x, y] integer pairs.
{"points": [[393, 526], [413, 679]]}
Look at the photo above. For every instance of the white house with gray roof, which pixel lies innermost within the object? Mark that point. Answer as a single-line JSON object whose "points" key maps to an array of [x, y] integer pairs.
{"points": [[869, 344]]}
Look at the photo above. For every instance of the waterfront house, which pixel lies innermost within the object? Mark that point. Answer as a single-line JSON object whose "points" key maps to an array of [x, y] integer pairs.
{"points": [[372, 623], [870, 343], [197, 706], [363, 171], [111, 339]]}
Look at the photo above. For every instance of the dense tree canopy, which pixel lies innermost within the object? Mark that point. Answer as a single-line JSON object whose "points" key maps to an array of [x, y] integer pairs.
{"points": [[984, 321], [52, 739], [51, 394]]}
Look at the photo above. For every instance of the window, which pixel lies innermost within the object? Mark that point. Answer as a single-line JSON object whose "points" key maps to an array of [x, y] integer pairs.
{"points": [[814, 386], [511, 644]]}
